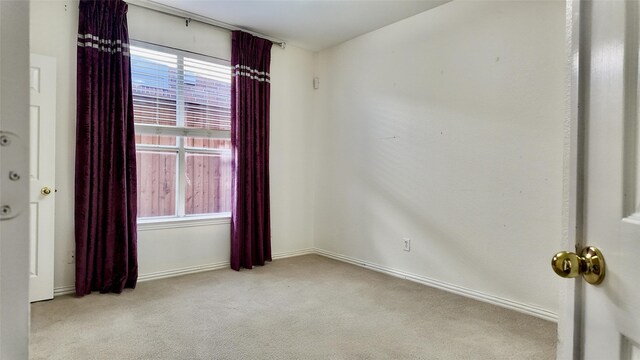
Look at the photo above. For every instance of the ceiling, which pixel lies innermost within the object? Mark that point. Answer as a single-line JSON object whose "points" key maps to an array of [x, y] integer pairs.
{"points": [[310, 24]]}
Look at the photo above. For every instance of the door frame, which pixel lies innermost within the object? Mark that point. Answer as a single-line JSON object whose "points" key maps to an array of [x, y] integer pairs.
{"points": [[570, 332], [14, 229]]}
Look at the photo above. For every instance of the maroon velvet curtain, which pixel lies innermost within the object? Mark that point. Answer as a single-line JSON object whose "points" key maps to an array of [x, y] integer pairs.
{"points": [[105, 178], [250, 88]]}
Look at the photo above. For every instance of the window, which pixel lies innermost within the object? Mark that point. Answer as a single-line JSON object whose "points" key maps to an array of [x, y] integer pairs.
{"points": [[181, 106]]}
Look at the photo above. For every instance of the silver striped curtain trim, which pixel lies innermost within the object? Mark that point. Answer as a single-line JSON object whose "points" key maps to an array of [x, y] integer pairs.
{"points": [[243, 70], [109, 46]]}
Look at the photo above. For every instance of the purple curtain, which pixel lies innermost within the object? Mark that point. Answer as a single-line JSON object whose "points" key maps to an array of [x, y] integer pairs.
{"points": [[250, 218], [105, 179]]}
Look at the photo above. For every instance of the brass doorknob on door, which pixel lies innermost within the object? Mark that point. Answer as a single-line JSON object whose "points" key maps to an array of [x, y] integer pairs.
{"points": [[45, 191], [589, 264]]}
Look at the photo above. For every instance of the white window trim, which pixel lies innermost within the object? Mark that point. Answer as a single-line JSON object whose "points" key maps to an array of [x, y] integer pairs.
{"points": [[181, 219], [173, 222], [181, 131]]}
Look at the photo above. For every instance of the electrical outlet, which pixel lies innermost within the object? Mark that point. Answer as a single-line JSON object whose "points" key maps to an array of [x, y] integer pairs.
{"points": [[71, 257], [406, 244]]}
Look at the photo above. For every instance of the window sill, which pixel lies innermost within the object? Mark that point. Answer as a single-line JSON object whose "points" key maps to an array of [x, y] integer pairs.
{"points": [[188, 221]]}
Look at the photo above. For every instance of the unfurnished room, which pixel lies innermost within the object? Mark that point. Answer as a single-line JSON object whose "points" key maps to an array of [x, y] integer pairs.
{"points": [[319, 179]]}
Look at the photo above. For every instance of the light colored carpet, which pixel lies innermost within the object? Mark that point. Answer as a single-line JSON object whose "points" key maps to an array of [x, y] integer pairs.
{"points": [[307, 307]]}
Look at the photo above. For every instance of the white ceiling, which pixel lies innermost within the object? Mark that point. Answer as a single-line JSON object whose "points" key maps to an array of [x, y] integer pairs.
{"points": [[310, 24]]}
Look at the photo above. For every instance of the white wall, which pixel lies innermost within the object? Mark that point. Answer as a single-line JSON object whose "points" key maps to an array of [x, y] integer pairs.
{"points": [[53, 26], [446, 128]]}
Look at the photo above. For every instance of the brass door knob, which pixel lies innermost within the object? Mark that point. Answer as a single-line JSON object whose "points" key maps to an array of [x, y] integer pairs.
{"points": [[589, 264], [45, 191]]}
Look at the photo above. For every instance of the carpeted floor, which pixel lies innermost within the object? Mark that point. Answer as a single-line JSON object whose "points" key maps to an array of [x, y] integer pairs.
{"points": [[307, 307]]}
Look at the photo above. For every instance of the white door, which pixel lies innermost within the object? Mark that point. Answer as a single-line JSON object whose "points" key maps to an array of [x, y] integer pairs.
{"points": [[611, 310], [42, 113], [14, 186]]}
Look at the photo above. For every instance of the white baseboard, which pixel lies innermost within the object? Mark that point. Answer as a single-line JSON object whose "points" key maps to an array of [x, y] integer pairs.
{"points": [[64, 290], [287, 254], [70, 289], [477, 295], [491, 299], [182, 271]]}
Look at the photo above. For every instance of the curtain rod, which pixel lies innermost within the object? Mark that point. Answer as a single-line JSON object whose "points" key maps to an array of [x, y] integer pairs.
{"points": [[188, 17]]}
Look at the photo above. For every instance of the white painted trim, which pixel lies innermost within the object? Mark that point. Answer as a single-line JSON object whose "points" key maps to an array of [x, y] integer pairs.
{"points": [[14, 230], [70, 289], [633, 219], [182, 271], [64, 290], [165, 130], [477, 295], [569, 313], [293, 253], [182, 222]]}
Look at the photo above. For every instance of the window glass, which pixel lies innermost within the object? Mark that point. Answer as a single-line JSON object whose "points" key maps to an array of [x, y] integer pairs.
{"points": [[184, 168], [208, 143], [208, 98], [148, 139], [156, 183], [208, 187]]}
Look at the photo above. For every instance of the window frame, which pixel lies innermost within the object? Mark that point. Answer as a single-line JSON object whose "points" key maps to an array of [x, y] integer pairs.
{"points": [[180, 132]]}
